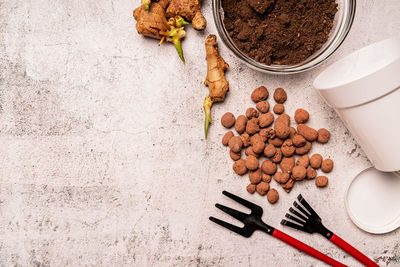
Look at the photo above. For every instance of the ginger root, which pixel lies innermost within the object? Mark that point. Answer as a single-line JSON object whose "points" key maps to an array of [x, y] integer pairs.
{"points": [[215, 79], [190, 10], [152, 22], [152, 16]]}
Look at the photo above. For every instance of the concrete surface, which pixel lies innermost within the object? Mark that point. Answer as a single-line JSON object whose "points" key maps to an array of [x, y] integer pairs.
{"points": [[103, 161]]}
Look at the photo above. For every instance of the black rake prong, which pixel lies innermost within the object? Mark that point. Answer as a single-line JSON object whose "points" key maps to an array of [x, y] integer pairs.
{"points": [[306, 205], [300, 208], [311, 222], [234, 213], [257, 210], [295, 212], [294, 219], [293, 225], [239, 230]]}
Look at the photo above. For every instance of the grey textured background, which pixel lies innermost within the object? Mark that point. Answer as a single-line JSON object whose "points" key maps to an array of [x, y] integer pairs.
{"points": [[102, 156]]}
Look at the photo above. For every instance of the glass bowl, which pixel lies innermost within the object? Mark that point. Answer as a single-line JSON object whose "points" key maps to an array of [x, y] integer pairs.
{"points": [[341, 26]]}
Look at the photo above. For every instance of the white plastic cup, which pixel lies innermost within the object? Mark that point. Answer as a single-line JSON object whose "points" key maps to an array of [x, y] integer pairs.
{"points": [[364, 89]]}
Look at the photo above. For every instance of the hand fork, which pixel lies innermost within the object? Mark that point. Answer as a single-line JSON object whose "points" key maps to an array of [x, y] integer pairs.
{"points": [[253, 222], [309, 222]]}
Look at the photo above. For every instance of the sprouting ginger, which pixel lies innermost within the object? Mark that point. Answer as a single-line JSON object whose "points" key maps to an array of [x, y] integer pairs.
{"points": [[190, 10], [152, 21], [215, 79], [175, 34]]}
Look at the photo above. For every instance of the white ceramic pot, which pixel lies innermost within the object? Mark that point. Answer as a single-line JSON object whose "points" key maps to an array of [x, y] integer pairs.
{"points": [[364, 89]]}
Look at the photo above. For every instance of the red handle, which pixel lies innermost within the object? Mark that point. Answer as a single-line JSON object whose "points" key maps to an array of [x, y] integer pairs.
{"points": [[305, 248], [352, 251]]}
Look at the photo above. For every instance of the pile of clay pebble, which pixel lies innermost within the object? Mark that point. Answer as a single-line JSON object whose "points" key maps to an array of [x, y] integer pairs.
{"points": [[281, 144]]}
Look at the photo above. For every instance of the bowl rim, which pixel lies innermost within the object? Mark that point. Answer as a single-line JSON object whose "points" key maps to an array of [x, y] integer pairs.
{"points": [[313, 61]]}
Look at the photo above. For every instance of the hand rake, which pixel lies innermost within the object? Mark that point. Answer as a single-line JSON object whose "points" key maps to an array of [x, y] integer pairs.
{"points": [[309, 222]]}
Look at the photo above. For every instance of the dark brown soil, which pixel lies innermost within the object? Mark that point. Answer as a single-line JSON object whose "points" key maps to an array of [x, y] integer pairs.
{"points": [[284, 32]]}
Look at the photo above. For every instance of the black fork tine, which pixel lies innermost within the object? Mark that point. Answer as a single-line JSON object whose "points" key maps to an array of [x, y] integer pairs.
{"points": [[293, 225], [294, 219], [241, 231], [295, 212], [307, 206], [253, 207], [234, 213], [300, 208]]}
